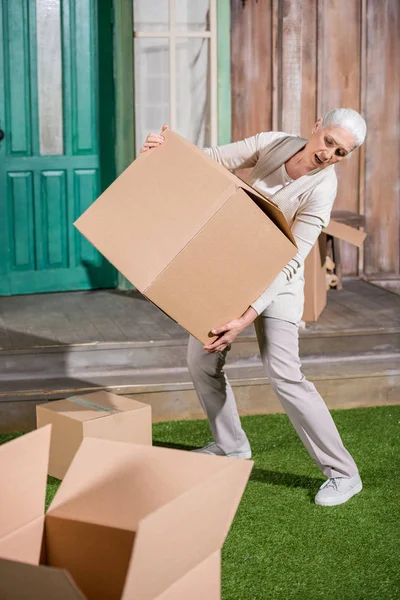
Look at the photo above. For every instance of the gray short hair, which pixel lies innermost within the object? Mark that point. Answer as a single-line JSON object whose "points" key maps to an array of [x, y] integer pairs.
{"points": [[350, 120]]}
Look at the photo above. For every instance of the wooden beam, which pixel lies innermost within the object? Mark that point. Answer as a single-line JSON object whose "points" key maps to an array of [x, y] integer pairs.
{"points": [[124, 94], [224, 72]]}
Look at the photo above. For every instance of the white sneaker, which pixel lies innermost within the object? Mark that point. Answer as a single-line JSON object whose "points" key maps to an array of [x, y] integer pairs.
{"points": [[213, 448], [338, 490]]}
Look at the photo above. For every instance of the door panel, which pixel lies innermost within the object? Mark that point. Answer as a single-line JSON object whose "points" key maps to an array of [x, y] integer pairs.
{"points": [[54, 218], [20, 222], [50, 166]]}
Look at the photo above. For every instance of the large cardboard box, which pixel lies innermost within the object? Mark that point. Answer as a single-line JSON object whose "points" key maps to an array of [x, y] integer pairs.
{"points": [[315, 294], [192, 237], [128, 522], [98, 414]]}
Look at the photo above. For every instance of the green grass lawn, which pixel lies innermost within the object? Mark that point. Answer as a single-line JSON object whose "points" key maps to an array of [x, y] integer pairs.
{"points": [[281, 545]]}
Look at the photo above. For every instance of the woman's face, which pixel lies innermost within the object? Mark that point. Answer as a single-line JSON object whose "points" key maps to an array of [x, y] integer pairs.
{"points": [[328, 146]]}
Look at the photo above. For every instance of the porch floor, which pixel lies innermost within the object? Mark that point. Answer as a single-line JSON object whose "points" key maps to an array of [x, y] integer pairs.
{"points": [[114, 316], [57, 345]]}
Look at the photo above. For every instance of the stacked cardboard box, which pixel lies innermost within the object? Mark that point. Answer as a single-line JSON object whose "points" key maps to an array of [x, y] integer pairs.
{"points": [[100, 415], [315, 271], [128, 522]]}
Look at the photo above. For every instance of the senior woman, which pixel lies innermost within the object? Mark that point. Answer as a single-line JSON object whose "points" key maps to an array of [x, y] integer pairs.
{"points": [[299, 176]]}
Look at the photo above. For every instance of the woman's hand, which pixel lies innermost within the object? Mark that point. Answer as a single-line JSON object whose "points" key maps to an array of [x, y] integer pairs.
{"points": [[227, 333], [153, 140]]}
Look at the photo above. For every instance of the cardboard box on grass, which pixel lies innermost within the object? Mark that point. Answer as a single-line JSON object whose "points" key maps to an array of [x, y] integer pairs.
{"points": [[315, 295], [192, 237], [128, 522], [98, 414]]}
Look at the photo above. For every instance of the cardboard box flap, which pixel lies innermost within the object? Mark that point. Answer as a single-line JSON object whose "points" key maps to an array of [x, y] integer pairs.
{"points": [[201, 583], [24, 544], [19, 581], [155, 207], [23, 476], [346, 233], [183, 533], [265, 204], [269, 208], [315, 293], [86, 494], [143, 478]]}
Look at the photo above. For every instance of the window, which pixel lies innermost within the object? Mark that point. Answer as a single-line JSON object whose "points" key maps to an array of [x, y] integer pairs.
{"points": [[176, 68]]}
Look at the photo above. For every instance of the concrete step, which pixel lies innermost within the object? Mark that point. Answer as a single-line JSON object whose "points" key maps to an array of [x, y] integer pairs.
{"points": [[344, 382], [26, 367], [362, 381]]}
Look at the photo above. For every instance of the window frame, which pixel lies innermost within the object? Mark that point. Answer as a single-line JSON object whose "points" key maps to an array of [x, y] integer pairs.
{"points": [[220, 92], [124, 90]]}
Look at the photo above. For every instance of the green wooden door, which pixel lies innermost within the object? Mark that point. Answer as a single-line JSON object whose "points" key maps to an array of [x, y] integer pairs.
{"points": [[51, 103]]}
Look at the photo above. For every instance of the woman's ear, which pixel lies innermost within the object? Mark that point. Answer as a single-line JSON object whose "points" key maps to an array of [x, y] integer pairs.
{"points": [[317, 125]]}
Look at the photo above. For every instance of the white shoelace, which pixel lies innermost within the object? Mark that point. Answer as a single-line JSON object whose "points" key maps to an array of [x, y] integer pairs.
{"points": [[333, 482], [210, 444]]}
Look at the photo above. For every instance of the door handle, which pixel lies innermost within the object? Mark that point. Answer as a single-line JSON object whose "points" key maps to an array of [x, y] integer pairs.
{"points": [[2, 134]]}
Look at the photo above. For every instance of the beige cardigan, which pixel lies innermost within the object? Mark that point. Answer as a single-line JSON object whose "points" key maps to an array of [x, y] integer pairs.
{"points": [[306, 203]]}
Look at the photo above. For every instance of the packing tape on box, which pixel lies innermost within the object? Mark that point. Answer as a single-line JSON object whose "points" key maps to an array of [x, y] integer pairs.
{"points": [[93, 405]]}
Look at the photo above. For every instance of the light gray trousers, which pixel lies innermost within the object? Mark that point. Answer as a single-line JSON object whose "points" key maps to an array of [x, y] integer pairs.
{"points": [[279, 347]]}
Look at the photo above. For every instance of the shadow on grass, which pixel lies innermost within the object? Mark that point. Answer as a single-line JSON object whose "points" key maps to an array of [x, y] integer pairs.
{"points": [[7, 437], [290, 480], [173, 445]]}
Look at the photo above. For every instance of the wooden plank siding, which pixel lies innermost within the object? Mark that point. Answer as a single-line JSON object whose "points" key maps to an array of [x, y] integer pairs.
{"points": [[292, 61], [382, 173], [339, 85], [251, 67], [290, 65]]}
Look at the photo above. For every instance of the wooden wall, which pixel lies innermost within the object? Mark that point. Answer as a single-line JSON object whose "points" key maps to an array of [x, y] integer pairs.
{"points": [[292, 61]]}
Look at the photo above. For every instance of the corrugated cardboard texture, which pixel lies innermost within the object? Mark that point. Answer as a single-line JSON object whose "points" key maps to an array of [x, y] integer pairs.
{"points": [[130, 426], [133, 522], [25, 582], [23, 477], [202, 288], [96, 555], [98, 414], [164, 539], [92, 406], [270, 209], [201, 583], [315, 281], [155, 208], [24, 544], [66, 436], [346, 233], [155, 475], [314, 269], [177, 505], [147, 221]]}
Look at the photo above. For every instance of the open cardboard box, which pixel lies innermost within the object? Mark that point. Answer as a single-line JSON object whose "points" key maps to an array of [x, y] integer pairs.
{"points": [[188, 234], [315, 295], [128, 522], [98, 414]]}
